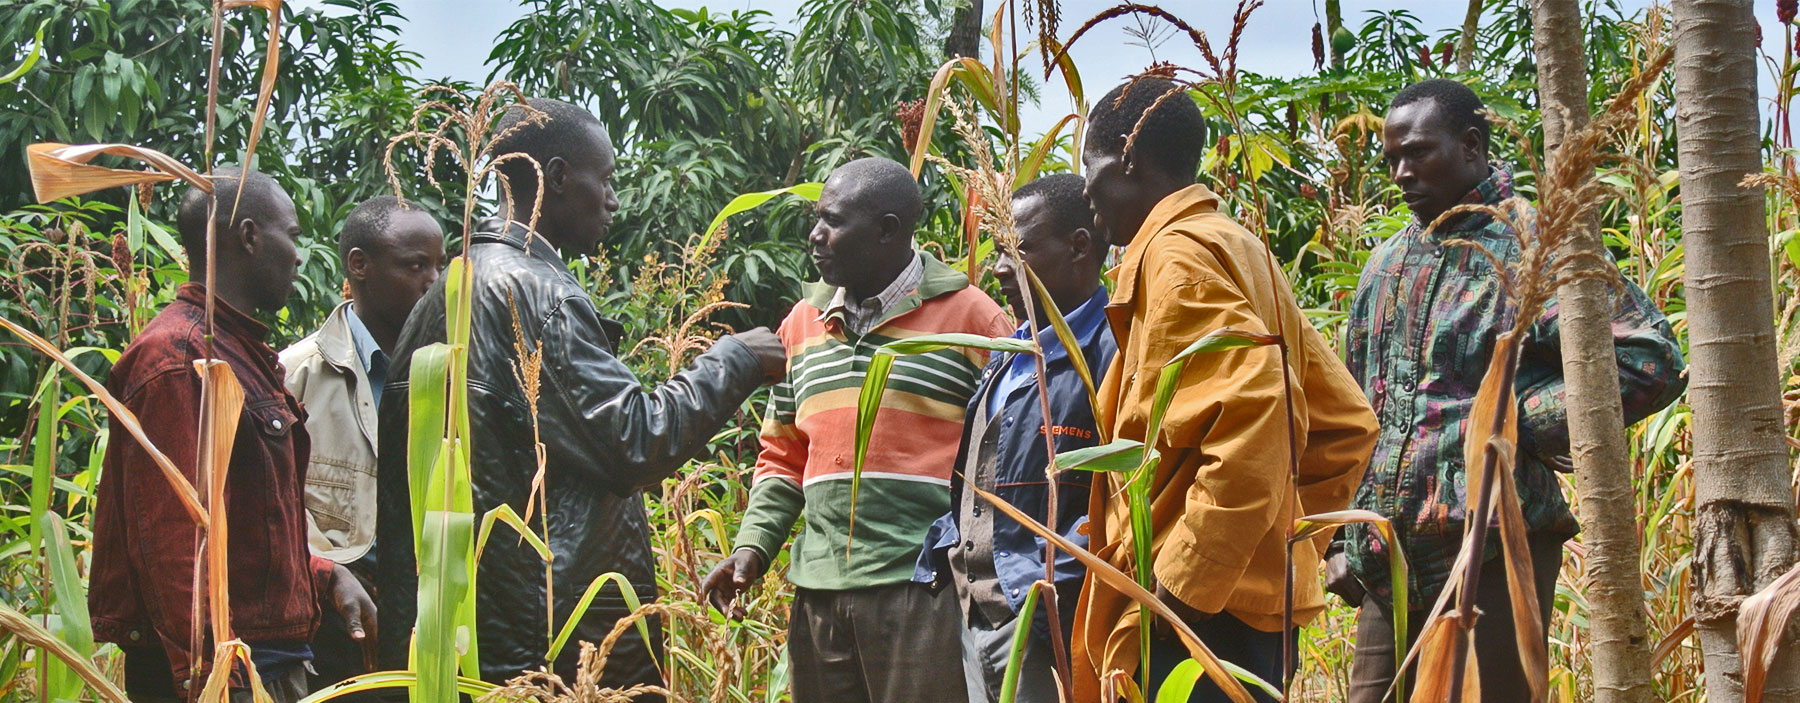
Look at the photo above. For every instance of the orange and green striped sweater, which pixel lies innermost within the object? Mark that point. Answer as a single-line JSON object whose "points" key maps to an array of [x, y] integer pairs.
{"points": [[809, 434]]}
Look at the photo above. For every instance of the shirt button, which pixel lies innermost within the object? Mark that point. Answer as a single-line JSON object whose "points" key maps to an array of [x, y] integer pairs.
{"points": [[839, 461], [275, 423], [1015, 591], [135, 636], [977, 511], [969, 545], [1004, 554]]}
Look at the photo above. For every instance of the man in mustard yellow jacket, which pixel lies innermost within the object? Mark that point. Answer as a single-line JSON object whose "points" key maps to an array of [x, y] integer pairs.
{"points": [[1220, 501]]}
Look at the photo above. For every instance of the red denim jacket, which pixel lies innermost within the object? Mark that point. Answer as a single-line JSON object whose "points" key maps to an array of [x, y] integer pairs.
{"points": [[141, 589]]}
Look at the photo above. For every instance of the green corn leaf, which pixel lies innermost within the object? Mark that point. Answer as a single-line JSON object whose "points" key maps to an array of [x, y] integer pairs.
{"points": [[1120, 455], [868, 400], [581, 607], [73, 626], [1034, 159], [1180, 682], [749, 201], [392, 679], [1313, 525], [974, 76], [439, 639], [43, 454], [426, 411], [1009, 685], [505, 514]]}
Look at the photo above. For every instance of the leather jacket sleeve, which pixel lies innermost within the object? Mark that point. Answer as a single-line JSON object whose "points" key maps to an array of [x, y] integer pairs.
{"points": [[594, 412]]}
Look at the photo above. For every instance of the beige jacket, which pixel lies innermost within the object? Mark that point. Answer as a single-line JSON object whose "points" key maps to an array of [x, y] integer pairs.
{"points": [[326, 375]]}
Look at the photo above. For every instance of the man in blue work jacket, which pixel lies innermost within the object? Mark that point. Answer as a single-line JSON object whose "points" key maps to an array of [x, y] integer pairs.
{"points": [[990, 559]]}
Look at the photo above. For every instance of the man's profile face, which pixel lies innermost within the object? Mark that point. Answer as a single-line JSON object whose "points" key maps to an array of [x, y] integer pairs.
{"points": [[1434, 166], [397, 270], [586, 201], [847, 235], [1116, 197], [276, 259]]}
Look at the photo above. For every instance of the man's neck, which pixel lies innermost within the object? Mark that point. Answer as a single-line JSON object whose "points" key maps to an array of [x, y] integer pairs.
{"points": [[385, 334], [881, 280], [523, 217], [231, 291]]}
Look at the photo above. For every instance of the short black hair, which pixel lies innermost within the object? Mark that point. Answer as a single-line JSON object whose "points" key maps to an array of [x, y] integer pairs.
{"points": [[1460, 105], [260, 195], [563, 129], [886, 185], [1173, 138], [1062, 194], [364, 227]]}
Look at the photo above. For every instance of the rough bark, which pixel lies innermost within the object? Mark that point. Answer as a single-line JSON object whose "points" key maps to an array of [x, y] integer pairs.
{"points": [[1465, 48], [1744, 522], [1619, 649], [1334, 21], [965, 31]]}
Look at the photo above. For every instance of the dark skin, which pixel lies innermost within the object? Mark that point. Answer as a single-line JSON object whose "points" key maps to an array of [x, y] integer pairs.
{"points": [[576, 215], [256, 262], [1067, 263], [390, 276], [861, 247], [1122, 199], [1434, 164], [857, 244]]}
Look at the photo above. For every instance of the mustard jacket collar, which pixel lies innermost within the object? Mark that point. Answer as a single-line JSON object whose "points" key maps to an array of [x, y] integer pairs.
{"points": [[1192, 200]]}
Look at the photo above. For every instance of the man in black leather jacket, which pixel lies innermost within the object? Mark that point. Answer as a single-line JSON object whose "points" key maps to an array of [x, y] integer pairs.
{"points": [[606, 436]]}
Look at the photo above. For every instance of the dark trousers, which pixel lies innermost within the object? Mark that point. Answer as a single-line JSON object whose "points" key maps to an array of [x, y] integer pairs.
{"points": [[1496, 646], [898, 643], [1230, 640]]}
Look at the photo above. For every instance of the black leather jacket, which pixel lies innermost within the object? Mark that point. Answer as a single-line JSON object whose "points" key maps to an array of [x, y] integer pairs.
{"points": [[606, 438]]}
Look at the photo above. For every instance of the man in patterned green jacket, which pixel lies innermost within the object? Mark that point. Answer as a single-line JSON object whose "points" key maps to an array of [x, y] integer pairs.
{"points": [[1423, 327]]}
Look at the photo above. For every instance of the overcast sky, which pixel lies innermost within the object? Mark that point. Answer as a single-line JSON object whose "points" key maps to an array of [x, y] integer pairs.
{"points": [[454, 36]]}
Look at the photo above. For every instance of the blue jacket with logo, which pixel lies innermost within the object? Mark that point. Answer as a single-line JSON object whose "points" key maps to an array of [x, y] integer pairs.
{"points": [[1019, 471]]}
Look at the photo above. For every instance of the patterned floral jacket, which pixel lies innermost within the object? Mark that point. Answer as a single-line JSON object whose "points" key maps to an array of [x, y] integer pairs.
{"points": [[1423, 327]]}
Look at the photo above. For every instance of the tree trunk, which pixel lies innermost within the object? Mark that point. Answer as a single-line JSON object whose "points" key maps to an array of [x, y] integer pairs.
{"points": [[1334, 21], [1465, 48], [965, 32], [1744, 516], [1619, 652]]}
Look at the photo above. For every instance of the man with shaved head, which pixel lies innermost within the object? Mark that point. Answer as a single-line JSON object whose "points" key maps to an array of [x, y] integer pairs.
{"points": [[861, 629], [605, 436], [141, 592]]}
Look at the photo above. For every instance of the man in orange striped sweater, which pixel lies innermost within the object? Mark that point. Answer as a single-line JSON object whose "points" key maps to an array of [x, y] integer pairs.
{"points": [[861, 630]]}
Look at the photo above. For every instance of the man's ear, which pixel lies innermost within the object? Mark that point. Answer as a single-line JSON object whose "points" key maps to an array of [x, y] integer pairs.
{"points": [[1081, 244], [556, 173], [890, 228], [1473, 148], [356, 264], [248, 240]]}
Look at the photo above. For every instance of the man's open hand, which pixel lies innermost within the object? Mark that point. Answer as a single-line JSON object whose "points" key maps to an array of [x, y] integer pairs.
{"points": [[736, 574]]}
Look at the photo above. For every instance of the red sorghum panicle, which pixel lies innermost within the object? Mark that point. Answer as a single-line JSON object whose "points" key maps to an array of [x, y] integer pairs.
{"points": [[912, 116], [1784, 10], [1318, 46], [1424, 57], [1449, 52], [1308, 191]]}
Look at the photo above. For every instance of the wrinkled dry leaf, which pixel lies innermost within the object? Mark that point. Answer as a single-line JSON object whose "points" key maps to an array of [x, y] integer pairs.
{"points": [[221, 402], [1437, 657], [1762, 625], [61, 170], [21, 626]]}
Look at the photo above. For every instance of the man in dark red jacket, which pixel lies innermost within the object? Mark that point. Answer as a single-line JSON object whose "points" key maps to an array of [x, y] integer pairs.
{"points": [[141, 594]]}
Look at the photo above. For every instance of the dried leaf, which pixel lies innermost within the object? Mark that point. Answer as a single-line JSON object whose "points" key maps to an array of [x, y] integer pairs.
{"points": [[184, 490], [1762, 626], [60, 170], [1437, 647], [1117, 580], [31, 633], [221, 402]]}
